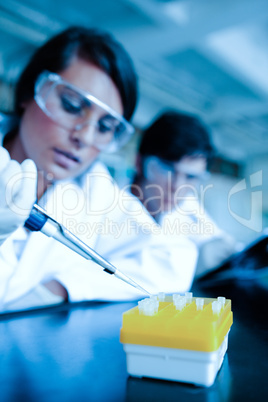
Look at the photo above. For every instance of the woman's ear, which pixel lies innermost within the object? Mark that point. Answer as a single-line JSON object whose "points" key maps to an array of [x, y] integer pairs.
{"points": [[138, 164], [25, 104]]}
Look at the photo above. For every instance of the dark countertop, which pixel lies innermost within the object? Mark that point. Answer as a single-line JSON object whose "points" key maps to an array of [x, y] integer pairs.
{"points": [[72, 352]]}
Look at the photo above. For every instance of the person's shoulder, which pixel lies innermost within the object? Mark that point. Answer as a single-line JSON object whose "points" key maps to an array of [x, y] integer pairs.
{"points": [[96, 175], [99, 167]]}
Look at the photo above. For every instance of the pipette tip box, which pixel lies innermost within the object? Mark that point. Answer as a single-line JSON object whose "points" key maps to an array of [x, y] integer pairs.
{"points": [[178, 338]]}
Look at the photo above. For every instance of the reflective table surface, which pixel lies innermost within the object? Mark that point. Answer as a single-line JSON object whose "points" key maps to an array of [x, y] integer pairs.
{"points": [[73, 352]]}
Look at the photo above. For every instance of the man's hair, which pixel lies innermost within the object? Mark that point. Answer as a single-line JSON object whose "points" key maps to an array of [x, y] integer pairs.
{"points": [[92, 45], [174, 135]]}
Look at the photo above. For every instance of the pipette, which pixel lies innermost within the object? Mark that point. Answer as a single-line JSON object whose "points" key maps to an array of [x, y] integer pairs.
{"points": [[40, 221]]}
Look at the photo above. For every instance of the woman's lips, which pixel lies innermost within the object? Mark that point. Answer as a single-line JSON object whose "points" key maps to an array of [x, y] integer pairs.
{"points": [[65, 159]]}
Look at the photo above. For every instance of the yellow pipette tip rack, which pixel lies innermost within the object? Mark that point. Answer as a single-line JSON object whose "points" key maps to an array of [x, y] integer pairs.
{"points": [[190, 333]]}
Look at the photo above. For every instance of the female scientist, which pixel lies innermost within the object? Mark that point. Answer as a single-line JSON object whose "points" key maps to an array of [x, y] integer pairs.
{"points": [[74, 100]]}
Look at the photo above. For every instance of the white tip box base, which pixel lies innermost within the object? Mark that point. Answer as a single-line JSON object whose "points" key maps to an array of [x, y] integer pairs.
{"points": [[189, 366]]}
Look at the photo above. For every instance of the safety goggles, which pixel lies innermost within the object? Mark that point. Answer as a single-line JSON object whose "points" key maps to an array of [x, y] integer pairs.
{"points": [[155, 169], [72, 108]]}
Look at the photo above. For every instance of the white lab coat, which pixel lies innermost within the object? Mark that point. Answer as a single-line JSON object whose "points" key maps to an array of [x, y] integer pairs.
{"points": [[112, 222], [192, 220]]}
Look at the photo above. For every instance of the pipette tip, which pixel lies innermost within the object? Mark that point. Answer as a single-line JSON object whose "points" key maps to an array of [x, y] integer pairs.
{"points": [[126, 279]]}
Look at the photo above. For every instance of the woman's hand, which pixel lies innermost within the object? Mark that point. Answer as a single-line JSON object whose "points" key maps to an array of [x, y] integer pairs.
{"points": [[18, 186]]}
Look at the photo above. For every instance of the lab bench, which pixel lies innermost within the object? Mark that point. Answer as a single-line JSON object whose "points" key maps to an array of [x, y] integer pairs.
{"points": [[73, 352]]}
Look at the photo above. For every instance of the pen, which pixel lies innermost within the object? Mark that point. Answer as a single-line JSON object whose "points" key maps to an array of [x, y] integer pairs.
{"points": [[40, 221]]}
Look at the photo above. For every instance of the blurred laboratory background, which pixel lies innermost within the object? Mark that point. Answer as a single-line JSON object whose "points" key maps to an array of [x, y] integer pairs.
{"points": [[207, 57]]}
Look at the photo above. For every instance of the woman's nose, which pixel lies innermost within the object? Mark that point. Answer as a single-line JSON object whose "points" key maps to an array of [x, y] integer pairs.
{"points": [[83, 136]]}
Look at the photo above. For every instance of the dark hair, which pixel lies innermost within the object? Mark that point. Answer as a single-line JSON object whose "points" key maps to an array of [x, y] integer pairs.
{"points": [[93, 45], [174, 135]]}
